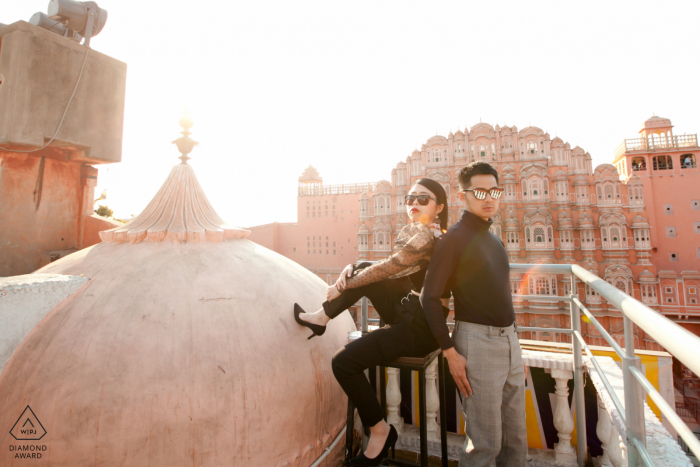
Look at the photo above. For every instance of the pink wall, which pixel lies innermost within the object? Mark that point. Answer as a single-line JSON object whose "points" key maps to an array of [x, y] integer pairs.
{"points": [[27, 232]]}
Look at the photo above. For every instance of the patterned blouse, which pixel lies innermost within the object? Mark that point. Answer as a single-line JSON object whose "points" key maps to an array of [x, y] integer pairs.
{"points": [[414, 245]]}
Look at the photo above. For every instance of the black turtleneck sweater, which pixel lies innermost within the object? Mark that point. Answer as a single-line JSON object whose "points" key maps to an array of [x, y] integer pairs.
{"points": [[473, 263]]}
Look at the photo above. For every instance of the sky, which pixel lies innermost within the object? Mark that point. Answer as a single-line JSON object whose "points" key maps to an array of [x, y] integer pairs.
{"points": [[352, 88]]}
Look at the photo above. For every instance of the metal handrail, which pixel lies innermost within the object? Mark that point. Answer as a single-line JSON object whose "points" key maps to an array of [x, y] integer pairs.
{"points": [[678, 341]]}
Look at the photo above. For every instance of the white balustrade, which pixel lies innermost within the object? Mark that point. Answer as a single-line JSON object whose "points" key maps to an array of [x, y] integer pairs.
{"points": [[393, 399], [564, 452], [432, 401], [603, 429]]}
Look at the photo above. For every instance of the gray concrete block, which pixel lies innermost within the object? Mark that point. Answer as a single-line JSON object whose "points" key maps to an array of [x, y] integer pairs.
{"points": [[25, 301]]}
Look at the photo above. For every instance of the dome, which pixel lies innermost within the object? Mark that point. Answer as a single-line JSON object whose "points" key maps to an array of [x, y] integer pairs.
{"points": [[646, 276], [585, 221], [656, 122], [559, 176], [639, 223], [364, 195], [564, 221], [363, 229], [180, 349], [310, 174], [511, 221]]}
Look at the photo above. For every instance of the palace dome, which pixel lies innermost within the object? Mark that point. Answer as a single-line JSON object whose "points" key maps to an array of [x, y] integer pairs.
{"points": [[310, 174], [511, 221], [585, 221], [181, 349], [656, 122]]}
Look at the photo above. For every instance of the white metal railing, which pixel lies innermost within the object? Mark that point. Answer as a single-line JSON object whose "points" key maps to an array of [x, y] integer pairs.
{"points": [[678, 341]]}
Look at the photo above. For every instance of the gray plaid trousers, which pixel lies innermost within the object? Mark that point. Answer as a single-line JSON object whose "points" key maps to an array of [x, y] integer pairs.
{"points": [[495, 414]]}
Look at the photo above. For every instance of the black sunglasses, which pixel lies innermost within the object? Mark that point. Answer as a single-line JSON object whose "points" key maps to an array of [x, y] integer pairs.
{"points": [[423, 200], [480, 193]]}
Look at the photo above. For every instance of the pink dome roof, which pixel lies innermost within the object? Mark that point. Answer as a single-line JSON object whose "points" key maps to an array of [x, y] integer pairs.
{"points": [[180, 352]]}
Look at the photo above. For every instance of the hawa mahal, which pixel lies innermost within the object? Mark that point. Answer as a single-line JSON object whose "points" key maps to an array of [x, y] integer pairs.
{"points": [[635, 222]]}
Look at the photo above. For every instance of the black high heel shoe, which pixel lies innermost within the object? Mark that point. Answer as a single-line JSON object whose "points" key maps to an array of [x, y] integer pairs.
{"points": [[317, 329], [363, 460]]}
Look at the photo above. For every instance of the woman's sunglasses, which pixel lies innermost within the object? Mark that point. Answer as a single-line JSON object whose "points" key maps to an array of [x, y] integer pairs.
{"points": [[480, 193], [423, 200]]}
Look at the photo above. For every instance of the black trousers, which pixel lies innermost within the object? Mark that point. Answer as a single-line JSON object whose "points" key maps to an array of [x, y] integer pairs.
{"points": [[406, 335]]}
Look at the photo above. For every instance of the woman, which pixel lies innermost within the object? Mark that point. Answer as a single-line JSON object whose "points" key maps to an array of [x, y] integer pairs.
{"points": [[393, 285]]}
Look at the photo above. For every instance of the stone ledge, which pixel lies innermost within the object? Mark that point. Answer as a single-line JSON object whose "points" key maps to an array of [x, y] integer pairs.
{"points": [[25, 300]]}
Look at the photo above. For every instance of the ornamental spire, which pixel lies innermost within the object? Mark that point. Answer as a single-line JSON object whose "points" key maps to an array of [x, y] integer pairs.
{"points": [[185, 144]]}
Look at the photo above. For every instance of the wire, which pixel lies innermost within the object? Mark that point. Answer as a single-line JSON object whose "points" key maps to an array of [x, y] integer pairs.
{"points": [[87, 52]]}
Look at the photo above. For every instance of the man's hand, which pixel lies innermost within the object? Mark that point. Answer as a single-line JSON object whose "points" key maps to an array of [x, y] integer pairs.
{"points": [[458, 369], [341, 283], [332, 293]]}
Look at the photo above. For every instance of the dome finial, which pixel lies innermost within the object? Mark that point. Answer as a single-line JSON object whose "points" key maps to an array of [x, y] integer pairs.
{"points": [[185, 144]]}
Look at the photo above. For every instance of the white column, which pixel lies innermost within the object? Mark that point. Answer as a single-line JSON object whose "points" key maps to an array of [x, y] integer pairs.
{"points": [[432, 401], [564, 452], [615, 449], [603, 430], [393, 399]]}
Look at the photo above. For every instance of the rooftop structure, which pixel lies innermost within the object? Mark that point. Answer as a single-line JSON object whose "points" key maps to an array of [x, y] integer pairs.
{"points": [[48, 149]]}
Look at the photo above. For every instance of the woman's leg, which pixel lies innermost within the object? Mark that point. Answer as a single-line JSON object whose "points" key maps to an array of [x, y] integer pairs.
{"points": [[376, 348], [384, 295]]}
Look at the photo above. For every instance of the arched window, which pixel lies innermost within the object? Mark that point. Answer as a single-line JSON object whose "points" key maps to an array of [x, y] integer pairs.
{"points": [[527, 234], [688, 161], [532, 147], [400, 203], [535, 188], [620, 284], [608, 191], [662, 163], [539, 235], [639, 164]]}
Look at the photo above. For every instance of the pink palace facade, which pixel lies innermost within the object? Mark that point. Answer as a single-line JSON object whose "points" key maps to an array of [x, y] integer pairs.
{"points": [[635, 224]]}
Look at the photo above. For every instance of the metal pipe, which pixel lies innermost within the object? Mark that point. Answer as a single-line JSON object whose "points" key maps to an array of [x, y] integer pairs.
{"points": [[616, 347], [555, 298], [550, 268], [677, 341], [364, 312], [555, 330], [578, 384], [683, 431], [643, 453], [616, 402], [634, 403], [329, 448]]}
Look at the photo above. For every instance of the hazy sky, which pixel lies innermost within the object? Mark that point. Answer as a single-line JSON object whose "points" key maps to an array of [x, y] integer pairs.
{"points": [[353, 87]]}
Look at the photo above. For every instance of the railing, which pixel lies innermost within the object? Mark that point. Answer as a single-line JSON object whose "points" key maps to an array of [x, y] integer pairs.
{"points": [[318, 190], [678, 341], [656, 144]]}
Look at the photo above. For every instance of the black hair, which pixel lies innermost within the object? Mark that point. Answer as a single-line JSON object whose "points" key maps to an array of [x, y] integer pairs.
{"points": [[440, 196], [475, 168]]}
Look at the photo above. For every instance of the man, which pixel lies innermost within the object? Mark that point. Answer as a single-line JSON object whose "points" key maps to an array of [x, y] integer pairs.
{"points": [[485, 358]]}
